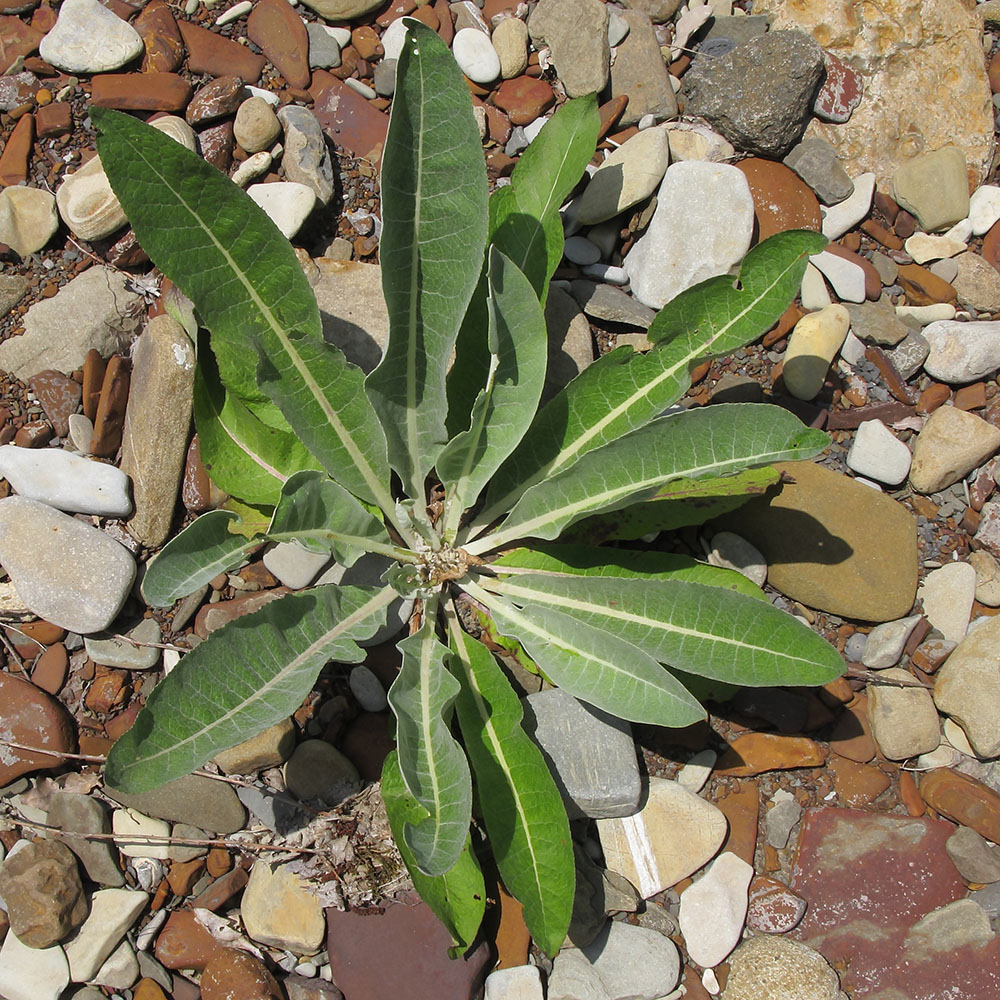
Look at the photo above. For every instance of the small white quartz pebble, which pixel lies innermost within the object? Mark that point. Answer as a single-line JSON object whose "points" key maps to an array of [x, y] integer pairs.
{"points": [[846, 277], [984, 208], [475, 55], [237, 10], [876, 452]]}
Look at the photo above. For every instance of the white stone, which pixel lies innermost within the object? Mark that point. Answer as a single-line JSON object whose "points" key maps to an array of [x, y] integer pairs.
{"points": [[962, 352], [692, 17], [942, 756], [730, 551], [293, 565], [925, 315], [878, 454], [28, 218], [853, 350], [112, 913], [178, 130], [128, 823], [579, 250], [923, 247], [886, 642], [846, 277], [66, 481], [89, 38], [961, 232], [81, 430], [475, 55], [120, 970], [702, 227], [286, 203], [695, 773], [32, 973], [362, 88], [984, 208], [813, 291], [607, 273], [252, 167], [392, 39], [947, 594], [629, 175], [695, 141], [714, 909], [957, 738], [519, 982], [86, 202], [839, 219], [812, 346], [367, 689], [237, 10], [904, 720]]}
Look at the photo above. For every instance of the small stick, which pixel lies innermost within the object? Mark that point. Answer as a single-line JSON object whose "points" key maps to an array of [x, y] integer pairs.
{"points": [[875, 677]]}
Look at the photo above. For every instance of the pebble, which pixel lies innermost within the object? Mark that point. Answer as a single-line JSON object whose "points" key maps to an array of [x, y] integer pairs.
{"points": [[281, 34], [877, 323], [28, 218], [238, 974], [812, 346], [324, 49], [878, 454], [904, 720], [306, 159], [629, 175], [730, 551], [580, 250], [934, 187], [950, 445], [816, 162], [32, 973], [610, 303], [639, 73], [367, 689], [286, 203], [292, 564], [967, 688], [129, 656], [673, 835], [317, 770], [83, 814], [984, 208], [696, 772], [977, 283], [813, 290], [964, 800], [251, 168], [769, 968], [510, 40], [269, 748], [34, 719], [193, 799], [86, 202], [714, 909], [922, 247], [886, 643], [475, 55], [66, 481], [576, 32], [136, 827], [974, 858], [623, 961], [987, 577], [947, 594], [845, 215], [120, 969], [702, 227], [780, 819], [256, 126], [67, 572], [774, 908], [846, 278], [112, 913], [280, 910], [520, 982], [89, 38]]}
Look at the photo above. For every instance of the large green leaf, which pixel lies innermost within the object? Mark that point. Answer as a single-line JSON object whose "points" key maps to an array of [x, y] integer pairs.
{"points": [[503, 410], [458, 897], [711, 441], [522, 808], [623, 390], [431, 761], [701, 629], [203, 550], [434, 206], [211, 240], [593, 664], [247, 676]]}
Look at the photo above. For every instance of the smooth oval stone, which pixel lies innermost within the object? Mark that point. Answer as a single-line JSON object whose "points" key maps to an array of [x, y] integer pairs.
{"points": [[67, 572], [194, 799], [626, 177], [66, 481], [28, 218], [89, 38], [178, 130], [510, 39], [812, 346], [475, 55]]}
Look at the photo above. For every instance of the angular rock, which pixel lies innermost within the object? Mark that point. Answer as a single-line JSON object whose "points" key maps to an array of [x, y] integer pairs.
{"points": [[612, 304], [904, 720], [89, 38], [773, 908], [270, 748], [877, 322], [713, 910], [947, 594], [82, 814], [962, 352], [238, 974], [161, 38], [977, 284], [32, 973], [306, 160], [951, 444], [212, 53], [349, 119], [60, 397], [934, 187], [576, 32], [886, 642], [757, 753], [287, 203], [878, 454], [279, 909], [629, 175], [28, 219], [640, 73], [845, 215], [140, 836], [112, 913]]}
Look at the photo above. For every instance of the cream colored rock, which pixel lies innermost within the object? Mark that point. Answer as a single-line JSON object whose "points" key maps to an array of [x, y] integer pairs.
{"points": [[178, 130], [28, 218], [87, 204], [510, 39], [947, 594], [904, 720], [628, 175], [256, 127], [813, 345], [951, 444], [987, 577], [923, 247], [694, 141], [673, 835], [280, 910]]}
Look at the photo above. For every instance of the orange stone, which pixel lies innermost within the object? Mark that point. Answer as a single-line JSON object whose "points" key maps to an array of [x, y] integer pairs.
{"points": [[781, 199], [757, 753], [922, 287], [932, 397], [140, 91], [513, 937], [17, 152], [741, 809], [149, 989], [185, 944], [856, 784], [964, 800], [183, 875], [160, 37], [852, 734], [210, 53], [110, 417], [909, 795]]}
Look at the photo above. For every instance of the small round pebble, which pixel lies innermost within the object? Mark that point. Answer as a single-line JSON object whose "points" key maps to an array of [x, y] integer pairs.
{"points": [[475, 55], [256, 126], [367, 689]]}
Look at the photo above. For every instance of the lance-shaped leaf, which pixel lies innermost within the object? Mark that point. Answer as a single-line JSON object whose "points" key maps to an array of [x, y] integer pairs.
{"points": [[623, 391], [711, 441], [432, 762], [522, 808], [244, 456], [211, 240], [502, 412], [703, 630], [593, 664], [203, 550], [434, 206], [323, 517], [247, 676], [458, 897]]}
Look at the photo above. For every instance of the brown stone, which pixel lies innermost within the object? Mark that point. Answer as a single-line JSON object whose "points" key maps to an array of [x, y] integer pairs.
{"points": [[932, 397], [218, 862], [857, 784], [33, 719], [108, 690], [17, 152], [210, 53], [909, 794], [215, 100], [183, 875], [971, 397], [278, 30], [110, 417], [239, 974], [741, 810], [348, 119], [964, 800], [852, 735], [446, 27], [350, 59], [905, 225], [185, 944], [610, 112], [49, 672], [54, 120], [513, 939], [890, 376], [882, 235], [149, 989], [757, 753], [991, 246], [781, 199], [94, 367], [59, 396], [214, 616], [161, 37], [34, 434], [367, 742], [524, 99], [426, 15], [222, 890], [774, 908], [217, 143], [366, 40], [395, 11], [923, 287], [140, 91], [17, 39]]}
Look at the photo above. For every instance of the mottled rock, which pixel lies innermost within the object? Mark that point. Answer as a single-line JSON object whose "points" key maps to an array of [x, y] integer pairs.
{"points": [[83, 814], [238, 974], [904, 720], [769, 968], [279, 909], [306, 159], [89, 38], [576, 31], [977, 283]]}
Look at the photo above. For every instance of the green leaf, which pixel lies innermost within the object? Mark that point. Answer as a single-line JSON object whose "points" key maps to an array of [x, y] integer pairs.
{"points": [[592, 664], [622, 390], [701, 629], [434, 206], [522, 808], [711, 441], [243, 455], [247, 676], [503, 410], [680, 503], [203, 550], [323, 517], [211, 240], [431, 761]]}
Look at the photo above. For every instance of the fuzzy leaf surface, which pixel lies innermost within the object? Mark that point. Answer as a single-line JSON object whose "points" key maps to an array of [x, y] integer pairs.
{"points": [[522, 808], [247, 676], [434, 206]]}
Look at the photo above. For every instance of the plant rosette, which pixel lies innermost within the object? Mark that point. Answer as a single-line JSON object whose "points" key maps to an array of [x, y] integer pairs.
{"points": [[481, 503]]}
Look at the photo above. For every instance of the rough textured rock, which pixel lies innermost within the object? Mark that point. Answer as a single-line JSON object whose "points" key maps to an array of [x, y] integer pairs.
{"points": [[951, 444], [905, 50], [280, 910], [28, 218], [577, 33], [773, 968], [640, 73], [904, 720]]}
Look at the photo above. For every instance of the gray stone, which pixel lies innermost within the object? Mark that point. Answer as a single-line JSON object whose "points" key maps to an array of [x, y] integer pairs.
{"points": [[934, 187], [816, 162], [82, 814], [947, 270], [384, 77], [950, 445], [94, 310], [571, 347], [781, 818], [306, 158], [89, 38], [28, 218], [576, 32], [961, 924], [157, 426], [660, 11], [888, 269], [640, 73], [730, 551], [318, 770], [590, 754], [367, 689], [910, 354], [122, 653], [293, 564], [195, 799], [735, 29], [66, 571], [13, 288], [611, 304], [629, 175], [770, 967], [904, 720], [845, 215], [324, 50], [975, 860], [960, 352], [759, 95], [988, 899], [886, 643], [877, 322], [977, 283]]}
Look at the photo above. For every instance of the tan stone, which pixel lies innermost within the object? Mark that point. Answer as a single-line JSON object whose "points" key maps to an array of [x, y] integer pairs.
{"points": [[757, 753], [952, 443], [905, 50], [279, 909]]}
